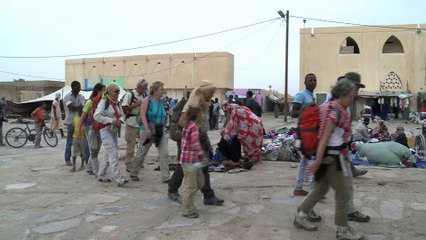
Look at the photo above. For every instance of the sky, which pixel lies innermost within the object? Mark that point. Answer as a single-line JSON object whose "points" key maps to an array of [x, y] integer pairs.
{"points": [[52, 27]]}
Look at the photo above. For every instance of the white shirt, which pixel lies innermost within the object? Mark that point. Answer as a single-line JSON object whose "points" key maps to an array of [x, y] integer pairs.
{"points": [[132, 121], [76, 101]]}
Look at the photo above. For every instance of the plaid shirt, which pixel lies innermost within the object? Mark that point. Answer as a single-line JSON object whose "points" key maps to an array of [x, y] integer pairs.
{"points": [[191, 147]]}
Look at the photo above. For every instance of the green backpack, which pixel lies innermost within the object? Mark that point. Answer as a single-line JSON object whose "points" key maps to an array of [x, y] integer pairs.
{"points": [[175, 130]]}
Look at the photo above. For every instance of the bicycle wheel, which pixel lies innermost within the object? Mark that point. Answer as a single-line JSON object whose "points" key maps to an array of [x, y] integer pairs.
{"points": [[16, 137], [50, 137]]}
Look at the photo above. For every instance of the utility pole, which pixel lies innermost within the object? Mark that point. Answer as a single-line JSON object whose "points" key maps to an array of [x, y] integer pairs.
{"points": [[286, 17]]}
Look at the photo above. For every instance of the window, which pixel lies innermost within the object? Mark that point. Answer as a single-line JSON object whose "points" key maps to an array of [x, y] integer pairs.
{"points": [[393, 45], [392, 82], [349, 46]]}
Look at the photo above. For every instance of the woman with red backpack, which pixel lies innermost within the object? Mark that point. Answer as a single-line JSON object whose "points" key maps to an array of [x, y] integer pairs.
{"points": [[110, 115]]}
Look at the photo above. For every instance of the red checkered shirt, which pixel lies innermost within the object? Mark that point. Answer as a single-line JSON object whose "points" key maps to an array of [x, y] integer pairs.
{"points": [[191, 147]]}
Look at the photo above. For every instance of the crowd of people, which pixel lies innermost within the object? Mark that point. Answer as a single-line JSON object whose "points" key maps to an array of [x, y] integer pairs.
{"points": [[147, 117]]}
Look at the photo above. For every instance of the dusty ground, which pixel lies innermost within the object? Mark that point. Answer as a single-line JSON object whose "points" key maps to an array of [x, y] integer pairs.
{"points": [[41, 199]]}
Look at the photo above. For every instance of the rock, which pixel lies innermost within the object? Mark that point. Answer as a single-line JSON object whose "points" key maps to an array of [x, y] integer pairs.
{"points": [[381, 183], [418, 206], [57, 226], [38, 169], [293, 165], [18, 186], [94, 199], [92, 218], [107, 229], [108, 210], [392, 209], [180, 221], [60, 214], [247, 225]]}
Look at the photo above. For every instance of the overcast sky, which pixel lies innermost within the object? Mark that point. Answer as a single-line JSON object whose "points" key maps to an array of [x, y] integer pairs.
{"points": [[44, 28]]}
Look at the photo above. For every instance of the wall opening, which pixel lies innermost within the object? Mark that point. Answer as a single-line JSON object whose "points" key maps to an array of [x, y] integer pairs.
{"points": [[349, 46], [392, 82], [393, 45]]}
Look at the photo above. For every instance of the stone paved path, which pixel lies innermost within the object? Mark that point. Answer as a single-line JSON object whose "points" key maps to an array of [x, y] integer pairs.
{"points": [[41, 199]]}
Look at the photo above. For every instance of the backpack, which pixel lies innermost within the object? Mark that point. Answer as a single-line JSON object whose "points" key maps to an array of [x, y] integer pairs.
{"points": [[97, 125], [308, 130], [132, 99], [175, 131]]}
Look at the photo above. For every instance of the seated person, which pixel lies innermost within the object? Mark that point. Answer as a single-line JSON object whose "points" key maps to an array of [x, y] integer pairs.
{"points": [[229, 154], [382, 130], [248, 129], [361, 131], [401, 137]]}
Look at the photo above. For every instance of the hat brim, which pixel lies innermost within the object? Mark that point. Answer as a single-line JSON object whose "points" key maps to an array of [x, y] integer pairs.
{"points": [[360, 85]]}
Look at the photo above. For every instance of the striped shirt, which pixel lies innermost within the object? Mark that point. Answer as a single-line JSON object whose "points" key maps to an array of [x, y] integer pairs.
{"points": [[191, 147]]}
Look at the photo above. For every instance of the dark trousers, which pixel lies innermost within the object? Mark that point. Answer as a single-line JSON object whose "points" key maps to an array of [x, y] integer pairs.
{"points": [[177, 178]]}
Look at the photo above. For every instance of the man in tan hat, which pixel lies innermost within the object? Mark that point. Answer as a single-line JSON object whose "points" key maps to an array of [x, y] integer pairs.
{"points": [[131, 108]]}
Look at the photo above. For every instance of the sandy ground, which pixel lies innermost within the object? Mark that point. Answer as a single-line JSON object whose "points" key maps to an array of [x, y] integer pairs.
{"points": [[41, 199]]}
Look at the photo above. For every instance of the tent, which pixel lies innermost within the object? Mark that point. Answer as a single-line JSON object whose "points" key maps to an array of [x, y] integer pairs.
{"points": [[64, 91]]}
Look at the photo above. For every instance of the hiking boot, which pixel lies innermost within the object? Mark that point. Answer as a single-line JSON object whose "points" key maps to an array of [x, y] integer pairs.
{"points": [[213, 201], [358, 217], [122, 182], [313, 217], [300, 192], [302, 222], [358, 173], [68, 163], [175, 197], [191, 215], [347, 233], [135, 178]]}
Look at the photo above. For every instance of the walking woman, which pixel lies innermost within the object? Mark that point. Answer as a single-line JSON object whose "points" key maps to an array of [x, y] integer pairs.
{"points": [[110, 113], [329, 166], [153, 116], [93, 136]]}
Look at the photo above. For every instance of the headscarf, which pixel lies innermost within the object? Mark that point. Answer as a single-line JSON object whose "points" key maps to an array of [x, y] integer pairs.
{"points": [[196, 99], [108, 95]]}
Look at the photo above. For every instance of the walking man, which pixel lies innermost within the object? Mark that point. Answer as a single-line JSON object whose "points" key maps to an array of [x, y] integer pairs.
{"points": [[131, 107], [73, 104], [302, 99]]}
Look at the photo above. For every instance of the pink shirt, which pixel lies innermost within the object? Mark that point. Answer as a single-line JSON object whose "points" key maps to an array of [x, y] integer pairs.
{"points": [[191, 147]]}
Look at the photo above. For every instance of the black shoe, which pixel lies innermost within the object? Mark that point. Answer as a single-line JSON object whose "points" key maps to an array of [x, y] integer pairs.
{"points": [[313, 217], [360, 173], [358, 217], [175, 197], [213, 201], [135, 178]]}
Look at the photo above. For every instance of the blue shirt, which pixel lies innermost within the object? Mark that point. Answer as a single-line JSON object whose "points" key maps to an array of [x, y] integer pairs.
{"points": [[156, 112], [304, 97]]}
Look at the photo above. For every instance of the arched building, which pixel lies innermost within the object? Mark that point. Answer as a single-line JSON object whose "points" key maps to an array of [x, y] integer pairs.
{"points": [[390, 59]]}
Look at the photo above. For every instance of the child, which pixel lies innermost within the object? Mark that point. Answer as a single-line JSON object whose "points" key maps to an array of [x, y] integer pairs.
{"points": [[39, 114], [192, 160], [78, 143]]}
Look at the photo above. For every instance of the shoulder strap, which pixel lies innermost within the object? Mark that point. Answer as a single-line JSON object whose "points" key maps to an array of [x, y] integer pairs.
{"points": [[133, 97]]}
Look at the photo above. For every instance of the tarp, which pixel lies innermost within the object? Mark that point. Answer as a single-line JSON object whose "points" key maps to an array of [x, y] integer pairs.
{"points": [[64, 91]]}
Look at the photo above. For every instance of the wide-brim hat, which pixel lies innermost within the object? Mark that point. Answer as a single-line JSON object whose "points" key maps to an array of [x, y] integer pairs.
{"points": [[355, 78]]}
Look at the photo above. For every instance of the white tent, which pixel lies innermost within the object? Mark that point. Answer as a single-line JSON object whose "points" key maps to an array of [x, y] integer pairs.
{"points": [[64, 91]]}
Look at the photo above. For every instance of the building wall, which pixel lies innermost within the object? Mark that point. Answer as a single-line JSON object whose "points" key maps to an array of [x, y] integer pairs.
{"points": [[20, 91], [320, 54], [177, 71]]}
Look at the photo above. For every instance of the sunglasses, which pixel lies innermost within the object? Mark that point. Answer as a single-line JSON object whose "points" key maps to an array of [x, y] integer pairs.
{"points": [[117, 91]]}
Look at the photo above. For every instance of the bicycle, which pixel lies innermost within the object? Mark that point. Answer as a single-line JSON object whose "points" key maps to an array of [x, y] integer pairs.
{"points": [[17, 137]]}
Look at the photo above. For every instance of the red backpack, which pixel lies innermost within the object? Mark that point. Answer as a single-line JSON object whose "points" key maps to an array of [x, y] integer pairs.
{"points": [[96, 125], [308, 130]]}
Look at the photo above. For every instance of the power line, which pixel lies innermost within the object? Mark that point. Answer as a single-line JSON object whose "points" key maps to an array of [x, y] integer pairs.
{"points": [[31, 76], [358, 24], [147, 46], [162, 70]]}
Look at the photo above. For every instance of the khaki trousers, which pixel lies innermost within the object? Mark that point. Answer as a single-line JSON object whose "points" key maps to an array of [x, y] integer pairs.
{"points": [[132, 133], [163, 153], [335, 179], [193, 181]]}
